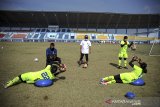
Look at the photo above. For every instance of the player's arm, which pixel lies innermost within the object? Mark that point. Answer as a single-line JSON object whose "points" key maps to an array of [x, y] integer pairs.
{"points": [[131, 63], [47, 52], [122, 43], [30, 82], [89, 47], [133, 59], [55, 50], [130, 44], [80, 48]]}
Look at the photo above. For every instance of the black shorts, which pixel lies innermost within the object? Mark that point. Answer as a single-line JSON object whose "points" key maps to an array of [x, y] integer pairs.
{"points": [[118, 78]]}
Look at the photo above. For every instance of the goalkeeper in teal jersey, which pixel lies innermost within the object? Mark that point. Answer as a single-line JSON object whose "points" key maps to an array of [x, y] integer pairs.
{"points": [[123, 52], [127, 77], [31, 77]]}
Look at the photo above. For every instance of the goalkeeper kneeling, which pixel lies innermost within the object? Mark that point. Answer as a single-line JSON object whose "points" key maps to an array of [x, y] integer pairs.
{"points": [[50, 72], [127, 77]]}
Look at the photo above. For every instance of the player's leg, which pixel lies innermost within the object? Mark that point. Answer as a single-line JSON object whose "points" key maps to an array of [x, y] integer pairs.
{"points": [[120, 55], [112, 79], [59, 60], [80, 60], [14, 81], [125, 60], [107, 80], [119, 62], [86, 55], [30, 77], [48, 60]]}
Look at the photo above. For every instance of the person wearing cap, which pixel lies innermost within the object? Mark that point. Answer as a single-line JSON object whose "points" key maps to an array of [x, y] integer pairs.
{"points": [[123, 52], [50, 52], [85, 49]]}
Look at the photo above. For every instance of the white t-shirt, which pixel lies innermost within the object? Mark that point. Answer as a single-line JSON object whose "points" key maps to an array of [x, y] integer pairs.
{"points": [[85, 46]]}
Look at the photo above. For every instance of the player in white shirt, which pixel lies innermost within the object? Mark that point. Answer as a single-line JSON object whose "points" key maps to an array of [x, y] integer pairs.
{"points": [[85, 49]]}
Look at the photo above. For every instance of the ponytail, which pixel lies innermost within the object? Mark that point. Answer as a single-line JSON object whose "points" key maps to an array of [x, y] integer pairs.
{"points": [[145, 70]]}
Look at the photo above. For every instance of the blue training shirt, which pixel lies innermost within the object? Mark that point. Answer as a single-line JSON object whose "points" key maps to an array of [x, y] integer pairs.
{"points": [[51, 52]]}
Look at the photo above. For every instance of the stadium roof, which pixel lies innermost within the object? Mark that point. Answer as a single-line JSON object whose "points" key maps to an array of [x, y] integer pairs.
{"points": [[77, 19], [113, 6]]}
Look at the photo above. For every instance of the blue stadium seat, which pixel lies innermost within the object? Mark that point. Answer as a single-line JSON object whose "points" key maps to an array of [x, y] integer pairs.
{"points": [[42, 35], [63, 30], [53, 31], [8, 35], [43, 30], [60, 35], [36, 36], [68, 30], [38, 30], [72, 37], [66, 36], [47, 30]]}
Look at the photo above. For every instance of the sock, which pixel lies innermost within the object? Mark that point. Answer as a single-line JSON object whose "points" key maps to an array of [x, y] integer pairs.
{"points": [[125, 63], [119, 62], [108, 78], [16, 80]]}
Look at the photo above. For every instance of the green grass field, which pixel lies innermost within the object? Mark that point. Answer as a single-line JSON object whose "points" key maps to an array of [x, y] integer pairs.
{"points": [[81, 87]]}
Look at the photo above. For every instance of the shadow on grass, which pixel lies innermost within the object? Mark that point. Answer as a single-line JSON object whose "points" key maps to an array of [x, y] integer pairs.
{"points": [[59, 78], [113, 64]]}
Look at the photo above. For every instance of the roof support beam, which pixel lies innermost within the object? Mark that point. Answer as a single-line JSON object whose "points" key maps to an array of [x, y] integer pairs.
{"points": [[139, 20], [34, 17], [46, 20], [77, 21], [129, 20], [148, 24], [67, 18], [118, 21], [56, 17], [88, 17], [98, 20], [108, 21]]}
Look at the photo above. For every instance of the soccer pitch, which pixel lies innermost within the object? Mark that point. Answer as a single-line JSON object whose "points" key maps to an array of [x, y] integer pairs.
{"points": [[81, 86]]}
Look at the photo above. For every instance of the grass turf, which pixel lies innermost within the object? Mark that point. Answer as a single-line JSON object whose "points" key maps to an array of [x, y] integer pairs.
{"points": [[81, 87]]}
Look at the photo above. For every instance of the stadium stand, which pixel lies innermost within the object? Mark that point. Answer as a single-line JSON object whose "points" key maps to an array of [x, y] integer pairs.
{"points": [[2, 35], [107, 28], [42, 35], [66, 36], [80, 36], [36, 36], [29, 36], [60, 36], [8, 35], [19, 35], [102, 37], [119, 37]]}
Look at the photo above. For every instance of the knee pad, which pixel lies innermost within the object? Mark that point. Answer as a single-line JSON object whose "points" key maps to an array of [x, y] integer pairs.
{"points": [[125, 58], [120, 58]]}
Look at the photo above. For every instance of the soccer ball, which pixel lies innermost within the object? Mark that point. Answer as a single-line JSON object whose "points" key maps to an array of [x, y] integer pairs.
{"points": [[133, 47], [63, 67], [85, 66], [35, 59]]}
